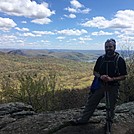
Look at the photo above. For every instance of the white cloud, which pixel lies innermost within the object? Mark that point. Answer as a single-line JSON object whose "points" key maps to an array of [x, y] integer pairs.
{"points": [[43, 32], [81, 42], [24, 22], [122, 20], [100, 33], [72, 10], [125, 38], [99, 22], [60, 38], [6, 24], [22, 29], [72, 16], [5, 37], [116, 32], [20, 41], [128, 31], [122, 24], [72, 32], [85, 38], [36, 33], [84, 11], [76, 4], [74, 39], [29, 35], [77, 7], [10, 41], [125, 15], [26, 8], [45, 41], [41, 21]]}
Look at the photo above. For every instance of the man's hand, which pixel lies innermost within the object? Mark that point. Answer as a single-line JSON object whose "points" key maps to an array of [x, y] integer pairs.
{"points": [[106, 78]]}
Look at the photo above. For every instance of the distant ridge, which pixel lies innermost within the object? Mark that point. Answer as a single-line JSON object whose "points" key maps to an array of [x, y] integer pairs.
{"points": [[16, 52], [76, 55]]}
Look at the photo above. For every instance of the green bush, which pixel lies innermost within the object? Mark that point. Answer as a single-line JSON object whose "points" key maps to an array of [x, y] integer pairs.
{"points": [[41, 93], [127, 86], [29, 89]]}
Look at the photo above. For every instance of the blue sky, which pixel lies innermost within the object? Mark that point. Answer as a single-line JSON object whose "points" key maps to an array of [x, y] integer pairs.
{"points": [[66, 24]]}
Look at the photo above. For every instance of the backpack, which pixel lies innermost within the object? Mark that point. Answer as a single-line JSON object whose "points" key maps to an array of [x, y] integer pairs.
{"points": [[116, 59], [95, 84], [96, 81]]}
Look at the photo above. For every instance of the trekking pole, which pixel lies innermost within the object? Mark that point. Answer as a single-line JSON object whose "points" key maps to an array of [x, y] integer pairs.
{"points": [[108, 112]]}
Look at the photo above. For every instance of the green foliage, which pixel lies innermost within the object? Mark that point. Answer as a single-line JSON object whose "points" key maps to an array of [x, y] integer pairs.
{"points": [[41, 94], [67, 71], [46, 83], [127, 86], [30, 89]]}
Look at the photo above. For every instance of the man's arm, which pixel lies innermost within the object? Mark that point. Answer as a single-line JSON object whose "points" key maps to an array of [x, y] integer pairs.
{"points": [[107, 78], [97, 67], [96, 74], [119, 78]]}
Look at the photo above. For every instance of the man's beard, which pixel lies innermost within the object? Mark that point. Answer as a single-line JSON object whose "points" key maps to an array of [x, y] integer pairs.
{"points": [[109, 52]]}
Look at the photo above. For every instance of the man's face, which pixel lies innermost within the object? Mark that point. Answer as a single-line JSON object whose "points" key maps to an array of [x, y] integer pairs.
{"points": [[109, 49]]}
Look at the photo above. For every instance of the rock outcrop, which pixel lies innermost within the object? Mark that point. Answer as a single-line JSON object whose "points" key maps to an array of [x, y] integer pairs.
{"points": [[18, 118]]}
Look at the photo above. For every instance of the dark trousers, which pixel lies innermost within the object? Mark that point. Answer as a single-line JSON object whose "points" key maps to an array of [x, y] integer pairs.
{"points": [[95, 98]]}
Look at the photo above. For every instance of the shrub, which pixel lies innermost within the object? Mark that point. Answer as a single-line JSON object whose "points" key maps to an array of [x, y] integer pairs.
{"points": [[41, 93], [127, 86]]}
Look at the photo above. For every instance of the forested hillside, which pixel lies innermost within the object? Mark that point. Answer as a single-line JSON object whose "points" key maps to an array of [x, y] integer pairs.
{"points": [[25, 78], [72, 74]]}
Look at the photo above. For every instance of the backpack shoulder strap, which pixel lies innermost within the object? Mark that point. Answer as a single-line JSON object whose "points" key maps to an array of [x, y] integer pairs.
{"points": [[116, 63], [102, 60]]}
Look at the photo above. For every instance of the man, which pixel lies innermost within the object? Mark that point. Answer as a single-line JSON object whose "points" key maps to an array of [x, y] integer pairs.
{"points": [[107, 72]]}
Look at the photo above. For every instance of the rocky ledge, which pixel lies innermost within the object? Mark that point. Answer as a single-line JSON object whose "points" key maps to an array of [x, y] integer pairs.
{"points": [[19, 118]]}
